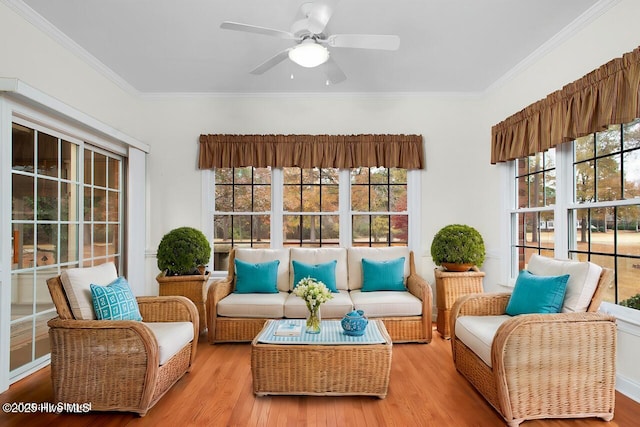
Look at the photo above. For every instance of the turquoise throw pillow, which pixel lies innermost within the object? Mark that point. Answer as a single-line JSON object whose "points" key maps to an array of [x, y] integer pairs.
{"points": [[256, 278], [325, 273], [537, 294], [115, 301], [383, 275]]}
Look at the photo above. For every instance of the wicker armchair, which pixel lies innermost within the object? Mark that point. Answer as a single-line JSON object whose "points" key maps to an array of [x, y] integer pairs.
{"points": [[543, 365], [115, 365]]}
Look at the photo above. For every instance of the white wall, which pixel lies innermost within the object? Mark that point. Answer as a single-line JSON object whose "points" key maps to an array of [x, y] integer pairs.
{"points": [[458, 185], [456, 153]]}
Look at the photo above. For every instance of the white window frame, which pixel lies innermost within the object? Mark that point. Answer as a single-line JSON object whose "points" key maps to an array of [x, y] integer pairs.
{"points": [[561, 209]]}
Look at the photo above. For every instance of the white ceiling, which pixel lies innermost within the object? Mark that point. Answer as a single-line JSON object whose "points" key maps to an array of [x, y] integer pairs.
{"points": [[171, 46]]}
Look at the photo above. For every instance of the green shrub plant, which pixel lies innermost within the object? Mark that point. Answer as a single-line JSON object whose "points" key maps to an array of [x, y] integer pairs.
{"points": [[458, 244], [182, 251]]}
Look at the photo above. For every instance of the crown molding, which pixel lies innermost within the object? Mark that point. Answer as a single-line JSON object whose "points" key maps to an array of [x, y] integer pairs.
{"points": [[355, 95], [65, 41], [565, 34]]}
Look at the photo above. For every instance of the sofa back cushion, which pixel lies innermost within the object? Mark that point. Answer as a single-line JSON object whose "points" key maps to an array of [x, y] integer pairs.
{"points": [[355, 255], [582, 284], [260, 255], [321, 256]]}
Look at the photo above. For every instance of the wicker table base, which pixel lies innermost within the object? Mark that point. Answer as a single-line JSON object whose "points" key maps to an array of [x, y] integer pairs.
{"points": [[324, 370]]}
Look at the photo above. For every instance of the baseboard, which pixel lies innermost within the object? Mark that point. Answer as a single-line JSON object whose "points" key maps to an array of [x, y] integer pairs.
{"points": [[629, 388]]}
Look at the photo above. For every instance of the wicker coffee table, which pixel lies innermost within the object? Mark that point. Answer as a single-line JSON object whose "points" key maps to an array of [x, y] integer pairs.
{"points": [[324, 367]]}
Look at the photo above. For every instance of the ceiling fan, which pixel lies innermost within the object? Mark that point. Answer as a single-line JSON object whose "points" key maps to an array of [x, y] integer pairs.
{"points": [[311, 49]]}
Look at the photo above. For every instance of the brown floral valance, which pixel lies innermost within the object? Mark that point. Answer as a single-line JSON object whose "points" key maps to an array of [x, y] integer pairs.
{"points": [[307, 151], [607, 95]]}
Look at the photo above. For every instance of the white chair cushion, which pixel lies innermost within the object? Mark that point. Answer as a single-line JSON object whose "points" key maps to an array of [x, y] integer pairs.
{"points": [[583, 279], [253, 305], [335, 308], [386, 303], [264, 255], [477, 332], [355, 255], [171, 337], [77, 285], [320, 256]]}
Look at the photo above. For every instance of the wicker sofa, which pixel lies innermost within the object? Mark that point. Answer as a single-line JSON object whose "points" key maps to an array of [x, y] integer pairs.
{"points": [[234, 317], [117, 365], [533, 366]]}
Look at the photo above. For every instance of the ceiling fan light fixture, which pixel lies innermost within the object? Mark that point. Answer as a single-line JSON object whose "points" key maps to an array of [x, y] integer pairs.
{"points": [[309, 54]]}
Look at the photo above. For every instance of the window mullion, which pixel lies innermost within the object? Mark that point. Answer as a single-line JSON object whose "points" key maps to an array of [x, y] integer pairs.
{"points": [[344, 204], [564, 198], [277, 207]]}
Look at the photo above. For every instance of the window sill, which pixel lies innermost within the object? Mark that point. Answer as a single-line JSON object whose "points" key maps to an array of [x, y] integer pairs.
{"points": [[628, 318]]}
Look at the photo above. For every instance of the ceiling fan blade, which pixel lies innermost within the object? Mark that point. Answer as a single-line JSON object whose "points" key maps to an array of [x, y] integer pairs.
{"points": [[319, 15], [271, 62], [237, 26], [334, 73], [365, 41]]}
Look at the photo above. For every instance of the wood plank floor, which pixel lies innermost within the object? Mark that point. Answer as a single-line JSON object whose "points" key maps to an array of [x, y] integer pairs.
{"points": [[424, 390]]}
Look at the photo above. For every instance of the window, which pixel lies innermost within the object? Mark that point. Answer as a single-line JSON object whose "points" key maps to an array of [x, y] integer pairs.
{"points": [[533, 220], [595, 193], [606, 169], [49, 233], [311, 207], [314, 207], [379, 205]]}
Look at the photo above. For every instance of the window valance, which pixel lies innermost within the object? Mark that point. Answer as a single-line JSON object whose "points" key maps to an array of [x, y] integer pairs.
{"points": [[307, 151], [607, 95]]}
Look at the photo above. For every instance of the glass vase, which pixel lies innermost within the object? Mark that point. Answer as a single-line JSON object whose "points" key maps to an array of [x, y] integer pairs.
{"points": [[313, 321]]}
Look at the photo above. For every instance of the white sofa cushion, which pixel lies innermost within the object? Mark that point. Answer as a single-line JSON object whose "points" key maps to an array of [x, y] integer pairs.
{"points": [[253, 305], [77, 285], [355, 255], [263, 255], [335, 308], [171, 337], [583, 279], [477, 332], [320, 256], [386, 303]]}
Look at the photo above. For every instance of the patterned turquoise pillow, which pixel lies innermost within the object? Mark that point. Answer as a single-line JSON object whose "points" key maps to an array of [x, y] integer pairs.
{"points": [[115, 301]]}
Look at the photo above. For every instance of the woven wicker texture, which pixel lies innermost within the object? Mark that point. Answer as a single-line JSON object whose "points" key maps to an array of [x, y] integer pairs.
{"points": [[449, 287], [322, 369], [192, 287], [543, 365], [401, 329], [115, 364]]}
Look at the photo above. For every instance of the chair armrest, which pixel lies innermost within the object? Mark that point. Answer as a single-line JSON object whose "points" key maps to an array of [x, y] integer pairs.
{"points": [[559, 350], [480, 305], [217, 290], [88, 356], [95, 337], [421, 289], [168, 309]]}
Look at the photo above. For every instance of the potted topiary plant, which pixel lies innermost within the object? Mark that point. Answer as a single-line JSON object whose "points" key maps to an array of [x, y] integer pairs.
{"points": [[460, 250], [182, 256], [458, 247]]}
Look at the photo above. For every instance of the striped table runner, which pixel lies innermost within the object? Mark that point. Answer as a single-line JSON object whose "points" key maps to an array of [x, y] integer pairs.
{"points": [[331, 333]]}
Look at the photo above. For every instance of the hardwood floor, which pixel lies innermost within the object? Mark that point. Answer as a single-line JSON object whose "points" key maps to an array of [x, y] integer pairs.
{"points": [[424, 390]]}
